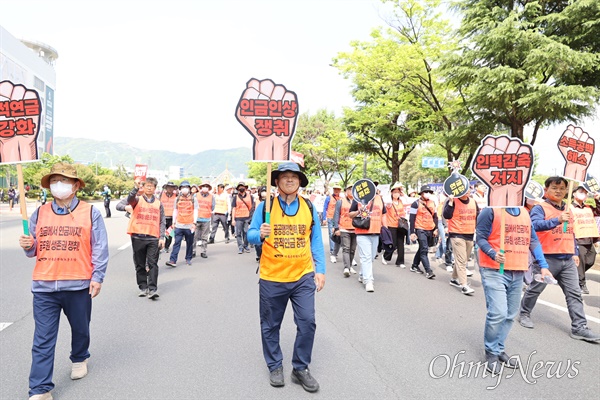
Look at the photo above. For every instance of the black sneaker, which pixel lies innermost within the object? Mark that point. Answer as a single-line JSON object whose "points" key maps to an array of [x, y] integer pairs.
{"points": [[455, 283], [584, 289], [211, 241], [416, 269], [305, 379], [493, 364], [193, 254], [152, 295], [587, 335], [276, 377], [510, 362], [430, 275], [203, 255], [170, 263]]}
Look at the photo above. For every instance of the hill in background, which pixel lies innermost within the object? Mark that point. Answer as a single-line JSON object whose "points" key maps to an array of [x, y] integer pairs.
{"points": [[109, 154]]}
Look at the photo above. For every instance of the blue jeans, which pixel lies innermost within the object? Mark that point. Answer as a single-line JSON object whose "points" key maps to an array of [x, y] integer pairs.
{"points": [[367, 249], [502, 297], [441, 250], [180, 234], [274, 297], [77, 306], [334, 248]]}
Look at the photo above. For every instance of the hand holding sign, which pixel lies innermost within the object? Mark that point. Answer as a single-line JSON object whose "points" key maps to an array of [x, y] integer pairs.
{"points": [[504, 164], [577, 147], [268, 112], [20, 112]]}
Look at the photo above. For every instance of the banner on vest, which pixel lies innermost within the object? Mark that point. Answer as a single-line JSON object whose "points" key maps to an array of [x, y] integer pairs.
{"points": [[268, 111], [504, 164], [577, 148], [20, 115]]}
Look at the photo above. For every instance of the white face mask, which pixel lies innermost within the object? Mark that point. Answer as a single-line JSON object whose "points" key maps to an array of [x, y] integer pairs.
{"points": [[426, 196], [580, 196], [61, 190], [204, 189], [185, 190]]}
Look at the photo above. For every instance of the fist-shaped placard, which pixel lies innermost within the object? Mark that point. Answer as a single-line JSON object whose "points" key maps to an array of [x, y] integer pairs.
{"points": [[504, 164], [577, 148], [269, 113], [20, 111]]}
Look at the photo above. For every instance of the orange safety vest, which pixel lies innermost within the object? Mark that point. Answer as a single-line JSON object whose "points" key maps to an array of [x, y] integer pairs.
{"points": [[221, 203], [376, 215], [331, 207], [517, 231], [464, 217], [204, 205], [424, 218], [345, 221], [584, 224], [64, 247], [555, 241], [286, 254], [145, 218], [394, 213], [168, 203], [185, 210], [242, 211]]}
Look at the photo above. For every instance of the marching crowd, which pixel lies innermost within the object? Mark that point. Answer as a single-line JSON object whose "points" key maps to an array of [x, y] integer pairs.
{"points": [[548, 241]]}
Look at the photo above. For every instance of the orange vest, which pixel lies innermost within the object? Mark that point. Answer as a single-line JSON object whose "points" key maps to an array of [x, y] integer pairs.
{"points": [[424, 218], [584, 224], [517, 231], [394, 213], [243, 206], [345, 222], [64, 248], [331, 207], [168, 203], [185, 210], [204, 205], [145, 218], [555, 241], [464, 217], [221, 203], [376, 215], [286, 254]]}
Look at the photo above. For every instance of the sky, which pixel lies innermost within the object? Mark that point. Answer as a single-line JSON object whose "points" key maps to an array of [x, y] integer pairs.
{"points": [[167, 75]]}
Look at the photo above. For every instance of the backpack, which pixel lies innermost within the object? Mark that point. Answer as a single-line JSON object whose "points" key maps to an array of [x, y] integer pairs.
{"points": [[308, 202]]}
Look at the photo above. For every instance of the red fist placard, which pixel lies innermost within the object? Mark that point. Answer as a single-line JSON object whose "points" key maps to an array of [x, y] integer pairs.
{"points": [[577, 148], [268, 112], [504, 164], [20, 113]]}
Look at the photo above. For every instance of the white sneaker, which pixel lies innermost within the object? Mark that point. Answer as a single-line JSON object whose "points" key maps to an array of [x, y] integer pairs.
{"points": [[360, 279], [333, 259], [79, 370], [383, 261], [354, 264], [449, 268], [369, 287], [402, 266], [466, 290], [346, 272], [353, 270], [469, 272], [43, 396]]}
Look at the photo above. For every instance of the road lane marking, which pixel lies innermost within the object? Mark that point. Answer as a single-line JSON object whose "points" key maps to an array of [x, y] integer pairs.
{"points": [[4, 325], [552, 305], [126, 245]]}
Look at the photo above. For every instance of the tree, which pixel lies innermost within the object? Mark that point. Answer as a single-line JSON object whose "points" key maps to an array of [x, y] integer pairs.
{"points": [[258, 171], [523, 62]]}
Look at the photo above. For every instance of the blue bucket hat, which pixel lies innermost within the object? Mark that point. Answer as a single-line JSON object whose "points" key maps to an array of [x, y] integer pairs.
{"points": [[292, 167], [184, 183]]}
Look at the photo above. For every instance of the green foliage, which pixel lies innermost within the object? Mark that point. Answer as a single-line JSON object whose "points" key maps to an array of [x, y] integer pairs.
{"points": [[258, 171]]}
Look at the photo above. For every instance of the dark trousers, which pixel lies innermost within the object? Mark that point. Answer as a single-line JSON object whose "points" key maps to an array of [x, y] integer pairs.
{"points": [[587, 258], [181, 234], [421, 254], [565, 272], [168, 239], [216, 220], [398, 240], [348, 248], [77, 306], [145, 255], [274, 297], [107, 208]]}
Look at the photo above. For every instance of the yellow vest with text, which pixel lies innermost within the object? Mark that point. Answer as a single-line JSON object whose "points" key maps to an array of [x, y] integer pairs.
{"points": [[584, 224]]}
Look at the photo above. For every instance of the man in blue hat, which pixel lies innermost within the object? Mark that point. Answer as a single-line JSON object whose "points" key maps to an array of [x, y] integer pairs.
{"points": [[185, 214], [292, 266]]}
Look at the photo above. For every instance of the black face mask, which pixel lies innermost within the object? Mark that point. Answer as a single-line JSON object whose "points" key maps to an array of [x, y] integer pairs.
{"points": [[241, 191]]}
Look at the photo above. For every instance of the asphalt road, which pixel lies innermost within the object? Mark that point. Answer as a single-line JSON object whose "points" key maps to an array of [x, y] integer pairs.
{"points": [[201, 338]]}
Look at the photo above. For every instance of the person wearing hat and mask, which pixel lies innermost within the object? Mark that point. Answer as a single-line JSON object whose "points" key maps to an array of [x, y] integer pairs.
{"points": [[167, 199], [292, 266], [395, 215], [71, 229], [206, 205], [242, 208], [107, 194], [586, 232], [328, 211], [342, 226], [423, 227], [184, 215], [220, 213]]}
